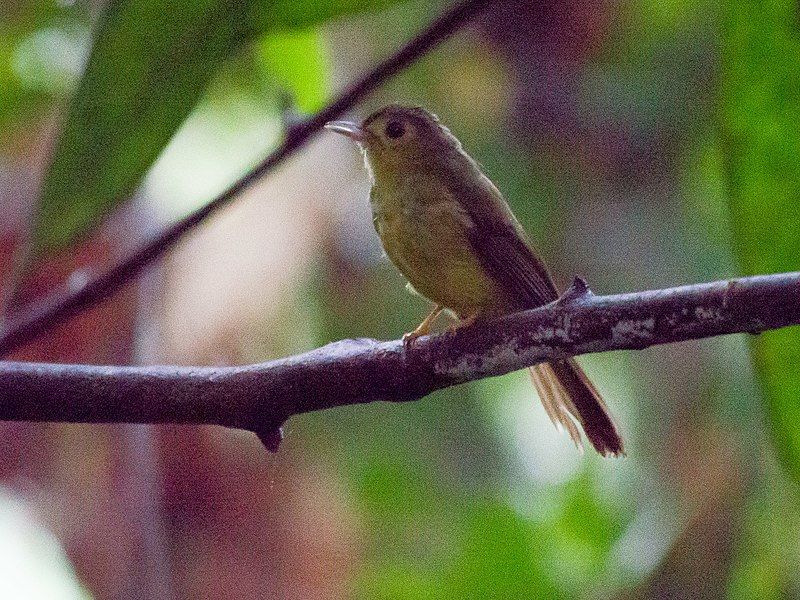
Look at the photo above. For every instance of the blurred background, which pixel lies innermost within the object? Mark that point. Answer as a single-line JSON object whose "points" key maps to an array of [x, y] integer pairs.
{"points": [[642, 144]]}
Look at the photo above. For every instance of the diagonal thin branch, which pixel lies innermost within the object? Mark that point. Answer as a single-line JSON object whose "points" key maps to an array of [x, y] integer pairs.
{"points": [[261, 397], [42, 317]]}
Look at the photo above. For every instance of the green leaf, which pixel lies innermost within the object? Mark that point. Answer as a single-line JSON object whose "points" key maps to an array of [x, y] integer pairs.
{"points": [[37, 39], [296, 62], [761, 131], [290, 14], [151, 62]]}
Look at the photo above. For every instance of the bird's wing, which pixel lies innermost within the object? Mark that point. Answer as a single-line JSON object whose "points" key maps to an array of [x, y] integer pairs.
{"points": [[500, 243]]}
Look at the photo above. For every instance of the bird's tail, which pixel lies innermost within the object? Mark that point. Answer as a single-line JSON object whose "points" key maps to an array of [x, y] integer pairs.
{"points": [[569, 397]]}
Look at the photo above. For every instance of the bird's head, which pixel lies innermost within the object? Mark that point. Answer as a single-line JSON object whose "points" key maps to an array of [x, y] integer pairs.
{"points": [[398, 137]]}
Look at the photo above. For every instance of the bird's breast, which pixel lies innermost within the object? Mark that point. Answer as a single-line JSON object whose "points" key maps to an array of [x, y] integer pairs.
{"points": [[425, 237]]}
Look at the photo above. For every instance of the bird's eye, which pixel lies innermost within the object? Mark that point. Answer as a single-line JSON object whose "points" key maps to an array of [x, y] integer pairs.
{"points": [[395, 130]]}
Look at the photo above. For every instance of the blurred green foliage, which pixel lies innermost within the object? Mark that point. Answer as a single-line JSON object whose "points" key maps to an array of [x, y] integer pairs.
{"points": [[150, 63], [297, 63], [29, 56], [760, 140]]}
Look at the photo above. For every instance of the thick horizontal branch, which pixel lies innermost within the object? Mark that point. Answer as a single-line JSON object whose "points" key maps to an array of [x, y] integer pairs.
{"points": [[261, 397]]}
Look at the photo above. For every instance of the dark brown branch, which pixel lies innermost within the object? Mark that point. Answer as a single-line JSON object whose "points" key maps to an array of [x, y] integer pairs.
{"points": [[29, 326], [261, 397]]}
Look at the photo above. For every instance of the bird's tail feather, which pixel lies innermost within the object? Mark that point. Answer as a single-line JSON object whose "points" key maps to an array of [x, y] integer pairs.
{"points": [[570, 399]]}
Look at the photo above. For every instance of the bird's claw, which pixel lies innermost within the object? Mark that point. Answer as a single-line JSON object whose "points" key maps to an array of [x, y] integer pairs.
{"points": [[409, 338]]}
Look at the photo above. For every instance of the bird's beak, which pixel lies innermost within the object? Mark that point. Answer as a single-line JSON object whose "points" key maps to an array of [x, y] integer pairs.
{"points": [[351, 130]]}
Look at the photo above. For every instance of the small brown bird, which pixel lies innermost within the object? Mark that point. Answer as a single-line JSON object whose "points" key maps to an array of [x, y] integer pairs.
{"points": [[449, 230]]}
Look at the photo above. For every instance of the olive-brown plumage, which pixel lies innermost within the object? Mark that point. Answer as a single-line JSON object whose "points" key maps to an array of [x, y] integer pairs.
{"points": [[451, 233]]}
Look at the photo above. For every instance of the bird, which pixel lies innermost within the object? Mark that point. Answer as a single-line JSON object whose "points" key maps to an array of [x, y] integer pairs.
{"points": [[451, 233]]}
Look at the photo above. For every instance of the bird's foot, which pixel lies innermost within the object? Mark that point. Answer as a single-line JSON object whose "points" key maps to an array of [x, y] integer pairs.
{"points": [[465, 322], [423, 329]]}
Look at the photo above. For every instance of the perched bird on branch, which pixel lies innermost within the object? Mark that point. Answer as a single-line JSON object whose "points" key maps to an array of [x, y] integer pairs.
{"points": [[451, 233]]}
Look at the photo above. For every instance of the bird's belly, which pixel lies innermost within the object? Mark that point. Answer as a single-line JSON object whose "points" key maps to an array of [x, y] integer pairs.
{"points": [[429, 246]]}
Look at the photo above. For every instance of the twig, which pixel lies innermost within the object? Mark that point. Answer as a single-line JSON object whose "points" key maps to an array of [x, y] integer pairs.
{"points": [[42, 317], [261, 397]]}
